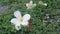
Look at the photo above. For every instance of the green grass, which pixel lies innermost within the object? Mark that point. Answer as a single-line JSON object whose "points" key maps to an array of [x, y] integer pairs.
{"points": [[37, 26]]}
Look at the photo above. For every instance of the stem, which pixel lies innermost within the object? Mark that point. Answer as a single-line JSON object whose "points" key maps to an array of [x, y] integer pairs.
{"points": [[29, 25]]}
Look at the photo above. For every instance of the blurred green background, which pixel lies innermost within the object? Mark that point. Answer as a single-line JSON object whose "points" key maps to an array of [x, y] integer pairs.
{"points": [[40, 23]]}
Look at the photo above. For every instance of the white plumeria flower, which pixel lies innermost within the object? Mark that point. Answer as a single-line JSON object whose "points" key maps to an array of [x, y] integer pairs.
{"points": [[30, 5], [19, 20], [40, 2]]}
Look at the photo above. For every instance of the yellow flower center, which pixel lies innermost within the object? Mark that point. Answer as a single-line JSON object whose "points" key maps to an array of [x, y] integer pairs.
{"points": [[20, 20], [31, 6]]}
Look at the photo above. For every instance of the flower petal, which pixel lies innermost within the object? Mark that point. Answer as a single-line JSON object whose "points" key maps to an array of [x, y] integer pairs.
{"points": [[27, 4], [34, 5], [45, 4], [14, 21], [17, 14], [17, 27], [26, 17], [25, 23], [31, 2]]}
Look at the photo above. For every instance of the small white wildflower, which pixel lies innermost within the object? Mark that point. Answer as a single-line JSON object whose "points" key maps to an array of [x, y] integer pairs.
{"points": [[19, 20], [30, 5], [41, 3]]}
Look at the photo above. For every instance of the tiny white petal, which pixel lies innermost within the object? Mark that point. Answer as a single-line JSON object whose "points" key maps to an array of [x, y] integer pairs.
{"points": [[25, 23], [27, 4], [17, 27], [34, 5], [26, 17], [45, 4], [17, 14], [31, 2]]}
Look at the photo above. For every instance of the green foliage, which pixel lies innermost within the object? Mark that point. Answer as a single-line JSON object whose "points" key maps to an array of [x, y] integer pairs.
{"points": [[38, 26]]}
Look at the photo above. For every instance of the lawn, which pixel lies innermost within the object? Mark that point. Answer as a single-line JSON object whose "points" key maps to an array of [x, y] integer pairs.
{"points": [[40, 24]]}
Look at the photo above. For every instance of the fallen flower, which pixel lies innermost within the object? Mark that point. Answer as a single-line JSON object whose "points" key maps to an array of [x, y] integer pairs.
{"points": [[19, 20]]}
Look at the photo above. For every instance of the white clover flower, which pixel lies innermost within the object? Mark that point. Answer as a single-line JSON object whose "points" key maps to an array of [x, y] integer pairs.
{"points": [[30, 5], [41, 3], [19, 20]]}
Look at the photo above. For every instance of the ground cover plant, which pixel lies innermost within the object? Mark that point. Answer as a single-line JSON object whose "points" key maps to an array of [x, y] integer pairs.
{"points": [[44, 19]]}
